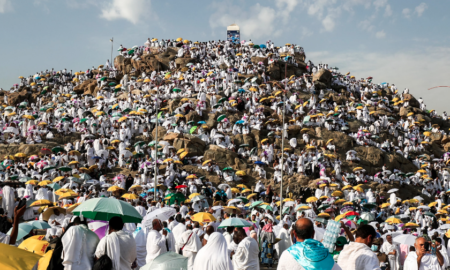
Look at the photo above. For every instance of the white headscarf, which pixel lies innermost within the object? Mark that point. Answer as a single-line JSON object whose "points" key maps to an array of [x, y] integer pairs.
{"points": [[214, 255]]}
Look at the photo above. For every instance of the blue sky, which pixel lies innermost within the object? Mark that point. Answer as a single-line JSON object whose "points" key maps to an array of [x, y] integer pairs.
{"points": [[401, 42]]}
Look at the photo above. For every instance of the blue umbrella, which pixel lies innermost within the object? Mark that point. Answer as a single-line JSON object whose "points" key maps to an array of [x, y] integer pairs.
{"points": [[260, 163], [241, 91], [55, 186], [262, 46], [240, 122], [201, 122], [40, 225], [24, 230], [96, 157]]}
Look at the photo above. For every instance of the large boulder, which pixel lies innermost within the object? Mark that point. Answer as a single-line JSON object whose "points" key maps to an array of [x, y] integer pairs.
{"points": [[183, 61], [17, 97], [412, 100], [403, 111], [161, 132], [193, 145], [323, 76], [223, 157], [255, 60], [436, 136]]}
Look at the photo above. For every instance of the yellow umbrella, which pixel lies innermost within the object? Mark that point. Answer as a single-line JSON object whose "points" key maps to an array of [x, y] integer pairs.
{"points": [[63, 190], [339, 201], [73, 162], [179, 39], [338, 218], [13, 258], [180, 151], [41, 203], [32, 182], [235, 190], [182, 155], [121, 119], [241, 173], [28, 117], [42, 124], [35, 245], [20, 155], [412, 208], [324, 215], [337, 193], [359, 189], [432, 204], [346, 187], [251, 196], [192, 176], [130, 196], [114, 188], [393, 220], [246, 190], [303, 207], [193, 195], [44, 183], [348, 203], [206, 162], [72, 207], [411, 225], [311, 199], [168, 160], [68, 195], [385, 205], [203, 217], [242, 186], [57, 179]]}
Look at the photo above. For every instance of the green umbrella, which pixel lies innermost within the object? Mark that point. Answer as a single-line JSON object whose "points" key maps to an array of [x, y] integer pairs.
{"points": [[83, 120], [244, 145], [221, 117], [48, 168], [103, 78], [265, 207], [176, 90], [139, 155], [85, 176], [159, 114], [126, 110], [254, 204], [235, 222], [222, 100], [105, 209], [14, 177], [242, 198], [117, 115], [25, 179], [369, 205], [192, 129], [130, 52], [175, 196], [2, 167], [168, 261], [323, 206], [228, 169], [55, 186], [140, 143], [65, 169], [57, 149], [112, 84]]}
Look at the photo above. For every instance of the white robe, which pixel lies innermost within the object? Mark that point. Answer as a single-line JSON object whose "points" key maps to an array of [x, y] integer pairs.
{"points": [[246, 255], [79, 245], [120, 248], [214, 255], [429, 262], [156, 245], [191, 245]]}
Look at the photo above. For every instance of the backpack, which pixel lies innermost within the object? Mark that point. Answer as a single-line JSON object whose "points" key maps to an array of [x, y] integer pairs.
{"points": [[5, 225], [104, 262]]}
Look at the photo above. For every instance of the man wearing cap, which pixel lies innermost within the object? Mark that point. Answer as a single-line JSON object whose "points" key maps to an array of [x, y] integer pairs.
{"points": [[341, 241], [382, 257]]}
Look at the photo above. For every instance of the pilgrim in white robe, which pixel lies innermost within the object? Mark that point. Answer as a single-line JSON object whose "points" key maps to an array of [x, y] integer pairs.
{"points": [[214, 255], [120, 248], [246, 255], [191, 244], [79, 244], [156, 245]]}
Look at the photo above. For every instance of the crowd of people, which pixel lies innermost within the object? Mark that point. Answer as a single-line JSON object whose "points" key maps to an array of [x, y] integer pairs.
{"points": [[225, 224]]}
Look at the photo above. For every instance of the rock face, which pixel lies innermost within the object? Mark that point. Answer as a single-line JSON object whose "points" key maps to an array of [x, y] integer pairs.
{"points": [[17, 97], [223, 157], [193, 145], [323, 76], [276, 70]]}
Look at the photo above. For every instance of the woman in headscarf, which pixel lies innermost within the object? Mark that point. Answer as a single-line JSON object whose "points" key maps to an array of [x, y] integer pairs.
{"points": [[214, 255], [268, 240]]}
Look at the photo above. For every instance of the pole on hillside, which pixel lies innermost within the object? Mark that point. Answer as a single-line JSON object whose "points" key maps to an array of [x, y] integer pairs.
{"points": [[112, 46], [159, 82], [282, 142]]}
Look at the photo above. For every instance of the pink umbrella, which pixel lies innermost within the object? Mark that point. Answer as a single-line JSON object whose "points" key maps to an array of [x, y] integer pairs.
{"points": [[41, 164], [100, 227], [76, 120], [349, 223], [33, 157]]}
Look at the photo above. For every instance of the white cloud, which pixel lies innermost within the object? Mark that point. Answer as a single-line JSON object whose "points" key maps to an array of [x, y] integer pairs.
{"points": [[379, 3], [406, 12], [5, 6], [420, 9], [400, 68], [130, 10], [380, 34], [328, 23], [366, 25], [388, 11]]}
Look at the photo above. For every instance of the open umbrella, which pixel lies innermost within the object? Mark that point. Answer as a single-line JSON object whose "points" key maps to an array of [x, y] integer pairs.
{"points": [[203, 217], [235, 222], [167, 261], [100, 227], [35, 244], [15, 258], [105, 209], [162, 214], [24, 230]]}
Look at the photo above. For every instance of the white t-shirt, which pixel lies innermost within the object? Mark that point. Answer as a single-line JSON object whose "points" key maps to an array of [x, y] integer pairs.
{"points": [[287, 262]]}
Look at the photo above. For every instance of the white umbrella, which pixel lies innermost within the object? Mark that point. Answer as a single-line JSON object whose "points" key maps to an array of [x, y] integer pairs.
{"points": [[162, 214], [223, 186], [424, 207], [407, 239], [218, 136], [368, 216], [418, 198], [393, 190], [288, 204], [234, 201], [217, 207], [445, 227]]}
